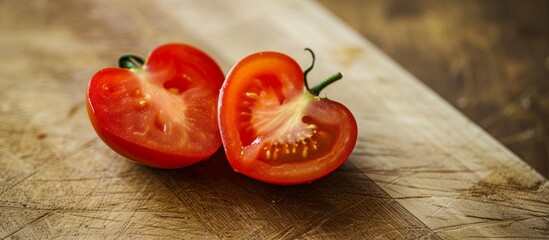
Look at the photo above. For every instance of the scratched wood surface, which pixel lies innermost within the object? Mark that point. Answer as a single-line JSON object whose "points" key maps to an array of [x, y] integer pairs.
{"points": [[420, 168], [489, 59]]}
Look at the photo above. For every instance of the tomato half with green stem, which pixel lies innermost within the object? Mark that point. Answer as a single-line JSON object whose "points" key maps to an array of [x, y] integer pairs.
{"points": [[162, 112], [278, 130]]}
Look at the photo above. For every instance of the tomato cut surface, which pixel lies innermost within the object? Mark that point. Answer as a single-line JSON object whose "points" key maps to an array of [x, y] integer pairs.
{"points": [[163, 114], [274, 129]]}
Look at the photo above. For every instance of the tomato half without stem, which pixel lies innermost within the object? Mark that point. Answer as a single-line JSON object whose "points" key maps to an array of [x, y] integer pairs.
{"points": [[162, 112], [278, 130]]}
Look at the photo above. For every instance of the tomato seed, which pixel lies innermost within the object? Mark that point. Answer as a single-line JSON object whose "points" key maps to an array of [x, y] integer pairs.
{"points": [[252, 95]]}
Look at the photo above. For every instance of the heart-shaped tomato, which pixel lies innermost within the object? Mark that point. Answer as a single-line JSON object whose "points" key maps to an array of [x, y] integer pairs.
{"points": [[162, 114], [275, 129]]}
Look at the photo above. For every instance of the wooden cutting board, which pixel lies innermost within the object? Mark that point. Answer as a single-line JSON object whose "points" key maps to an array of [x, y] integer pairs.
{"points": [[420, 169]]}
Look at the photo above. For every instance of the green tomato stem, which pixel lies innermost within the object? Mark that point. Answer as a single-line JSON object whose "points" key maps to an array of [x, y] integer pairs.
{"points": [[308, 69], [329, 80], [130, 61]]}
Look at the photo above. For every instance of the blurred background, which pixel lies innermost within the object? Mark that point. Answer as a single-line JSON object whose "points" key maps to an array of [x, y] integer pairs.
{"points": [[490, 59]]}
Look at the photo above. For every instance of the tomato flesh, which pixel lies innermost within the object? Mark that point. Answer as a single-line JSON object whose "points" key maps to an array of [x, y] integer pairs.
{"points": [[162, 115], [275, 130]]}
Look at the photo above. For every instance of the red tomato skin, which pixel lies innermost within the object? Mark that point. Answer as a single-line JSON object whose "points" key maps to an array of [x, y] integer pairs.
{"points": [[152, 155], [257, 171], [283, 67], [137, 153]]}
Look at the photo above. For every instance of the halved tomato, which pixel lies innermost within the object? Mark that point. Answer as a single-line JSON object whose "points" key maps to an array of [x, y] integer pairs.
{"points": [[162, 114], [275, 128]]}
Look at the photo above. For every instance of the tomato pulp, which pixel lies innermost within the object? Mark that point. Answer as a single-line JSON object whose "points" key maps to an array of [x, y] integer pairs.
{"points": [[161, 114], [275, 128]]}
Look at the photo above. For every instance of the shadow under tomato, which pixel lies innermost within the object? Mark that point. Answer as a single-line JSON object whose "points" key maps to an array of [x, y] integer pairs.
{"points": [[346, 203]]}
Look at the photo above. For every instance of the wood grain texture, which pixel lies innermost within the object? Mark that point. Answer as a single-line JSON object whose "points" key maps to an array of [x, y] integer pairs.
{"points": [[489, 59], [420, 169]]}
